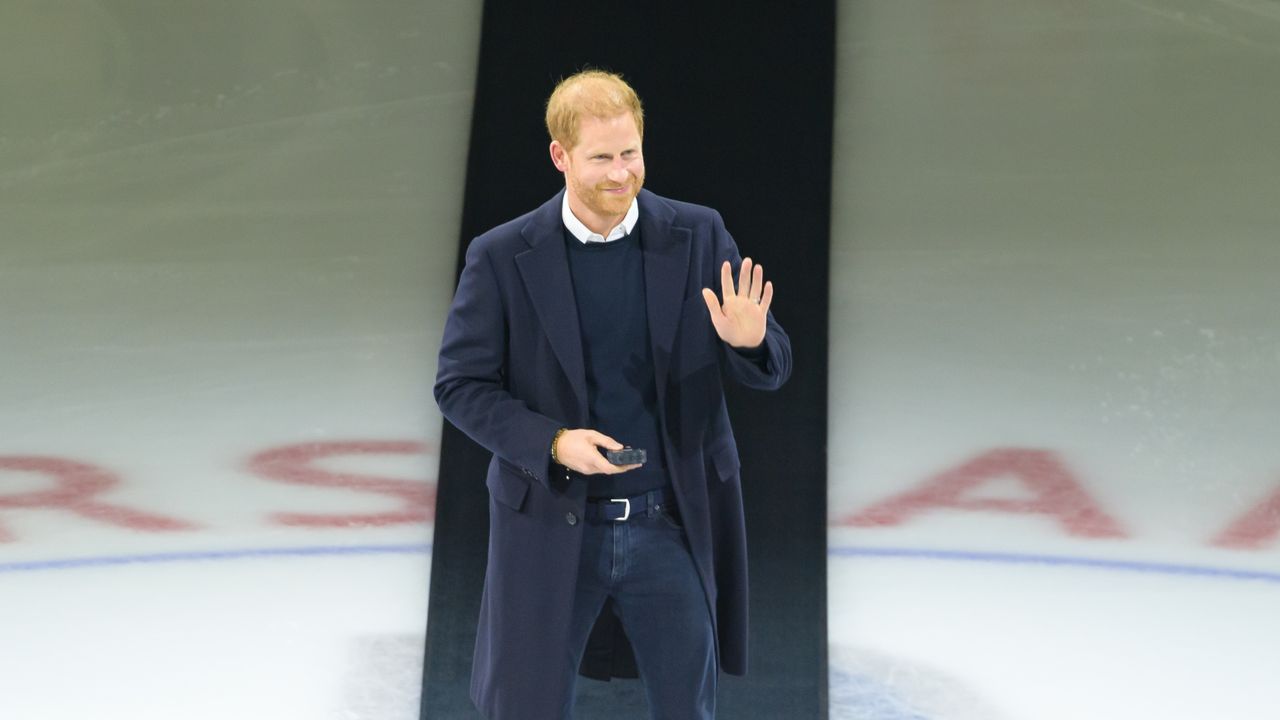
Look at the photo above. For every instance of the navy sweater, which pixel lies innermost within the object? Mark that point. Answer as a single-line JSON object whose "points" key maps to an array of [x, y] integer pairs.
{"points": [[608, 285]]}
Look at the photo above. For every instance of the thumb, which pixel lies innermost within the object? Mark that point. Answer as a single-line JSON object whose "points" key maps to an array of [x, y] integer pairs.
{"points": [[717, 312], [606, 442], [713, 303]]}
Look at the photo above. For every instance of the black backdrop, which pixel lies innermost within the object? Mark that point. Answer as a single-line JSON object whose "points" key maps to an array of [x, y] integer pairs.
{"points": [[738, 116]]}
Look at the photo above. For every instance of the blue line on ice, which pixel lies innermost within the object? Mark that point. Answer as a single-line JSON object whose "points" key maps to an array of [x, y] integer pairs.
{"points": [[173, 557], [846, 551], [1058, 560]]}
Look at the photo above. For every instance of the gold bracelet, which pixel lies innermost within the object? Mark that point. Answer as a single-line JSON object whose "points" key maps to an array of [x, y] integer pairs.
{"points": [[555, 440]]}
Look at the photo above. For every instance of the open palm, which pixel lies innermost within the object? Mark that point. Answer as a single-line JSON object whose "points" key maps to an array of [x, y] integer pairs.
{"points": [[740, 319]]}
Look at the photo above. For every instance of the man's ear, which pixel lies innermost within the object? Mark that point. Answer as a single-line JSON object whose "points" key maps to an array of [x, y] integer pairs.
{"points": [[559, 156]]}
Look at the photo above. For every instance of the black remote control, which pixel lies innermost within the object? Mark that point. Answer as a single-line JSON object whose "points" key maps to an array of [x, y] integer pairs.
{"points": [[625, 456]]}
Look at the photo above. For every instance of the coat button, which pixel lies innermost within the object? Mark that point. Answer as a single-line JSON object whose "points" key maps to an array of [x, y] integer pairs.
{"points": [[571, 518]]}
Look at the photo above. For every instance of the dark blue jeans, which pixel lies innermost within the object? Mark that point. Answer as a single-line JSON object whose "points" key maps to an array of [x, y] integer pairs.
{"points": [[644, 564]]}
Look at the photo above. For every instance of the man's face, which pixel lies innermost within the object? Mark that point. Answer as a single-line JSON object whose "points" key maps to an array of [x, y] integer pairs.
{"points": [[604, 171]]}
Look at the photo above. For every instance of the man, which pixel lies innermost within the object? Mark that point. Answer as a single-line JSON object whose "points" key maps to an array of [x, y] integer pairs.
{"points": [[604, 319]]}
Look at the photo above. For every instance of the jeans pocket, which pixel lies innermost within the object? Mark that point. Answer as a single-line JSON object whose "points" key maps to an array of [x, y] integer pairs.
{"points": [[670, 518]]}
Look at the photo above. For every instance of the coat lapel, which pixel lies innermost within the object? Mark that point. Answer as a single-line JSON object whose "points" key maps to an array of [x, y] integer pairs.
{"points": [[666, 272], [545, 270]]}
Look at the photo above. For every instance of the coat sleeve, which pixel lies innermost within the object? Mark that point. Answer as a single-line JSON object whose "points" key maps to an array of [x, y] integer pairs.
{"points": [[470, 385], [772, 370]]}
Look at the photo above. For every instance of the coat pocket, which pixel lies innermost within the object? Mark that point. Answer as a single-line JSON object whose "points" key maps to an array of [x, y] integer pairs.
{"points": [[726, 463], [507, 485]]}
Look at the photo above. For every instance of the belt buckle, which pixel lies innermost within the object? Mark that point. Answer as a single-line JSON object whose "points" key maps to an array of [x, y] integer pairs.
{"points": [[626, 508]]}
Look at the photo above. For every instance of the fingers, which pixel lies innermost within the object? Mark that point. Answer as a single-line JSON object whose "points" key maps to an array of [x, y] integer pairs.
{"points": [[726, 279], [599, 463], [767, 297], [750, 280], [602, 467], [615, 469]]}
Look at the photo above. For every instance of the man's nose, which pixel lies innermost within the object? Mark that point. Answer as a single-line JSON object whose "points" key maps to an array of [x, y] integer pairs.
{"points": [[618, 173]]}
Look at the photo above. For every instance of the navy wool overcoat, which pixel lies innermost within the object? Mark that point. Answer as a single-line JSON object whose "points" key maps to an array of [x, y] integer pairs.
{"points": [[511, 372]]}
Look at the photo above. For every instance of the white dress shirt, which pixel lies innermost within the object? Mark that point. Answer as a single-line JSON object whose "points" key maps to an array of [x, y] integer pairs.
{"points": [[584, 234]]}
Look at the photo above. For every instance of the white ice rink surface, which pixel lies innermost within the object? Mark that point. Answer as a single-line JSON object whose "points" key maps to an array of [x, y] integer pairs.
{"points": [[227, 243], [1054, 481], [227, 239]]}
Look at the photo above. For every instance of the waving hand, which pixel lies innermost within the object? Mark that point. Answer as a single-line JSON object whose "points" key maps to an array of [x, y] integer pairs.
{"points": [[740, 319]]}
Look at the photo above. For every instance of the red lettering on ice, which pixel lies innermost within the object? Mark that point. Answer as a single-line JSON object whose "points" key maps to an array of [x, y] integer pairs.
{"points": [[1255, 528], [77, 484], [1057, 494], [298, 464]]}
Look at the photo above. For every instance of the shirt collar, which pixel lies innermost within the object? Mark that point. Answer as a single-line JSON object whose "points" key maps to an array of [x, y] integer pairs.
{"points": [[584, 234]]}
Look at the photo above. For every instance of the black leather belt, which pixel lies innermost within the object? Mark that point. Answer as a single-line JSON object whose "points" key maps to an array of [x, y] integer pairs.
{"points": [[622, 509]]}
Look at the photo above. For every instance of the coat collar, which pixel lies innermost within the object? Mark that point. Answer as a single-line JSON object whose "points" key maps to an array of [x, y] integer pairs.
{"points": [[544, 268]]}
